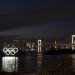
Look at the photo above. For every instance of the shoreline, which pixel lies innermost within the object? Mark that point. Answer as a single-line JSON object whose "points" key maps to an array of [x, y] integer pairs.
{"points": [[52, 51]]}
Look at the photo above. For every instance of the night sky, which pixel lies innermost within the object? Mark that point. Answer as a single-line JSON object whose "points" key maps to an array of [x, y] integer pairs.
{"points": [[37, 18]]}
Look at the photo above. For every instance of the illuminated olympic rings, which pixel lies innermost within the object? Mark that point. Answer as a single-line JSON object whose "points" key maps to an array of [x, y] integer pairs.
{"points": [[10, 51]]}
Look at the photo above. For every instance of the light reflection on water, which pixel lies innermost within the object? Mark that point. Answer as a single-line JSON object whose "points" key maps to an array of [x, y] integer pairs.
{"points": [[73, 62], [9, 64], [39, 58], [38, 63]]}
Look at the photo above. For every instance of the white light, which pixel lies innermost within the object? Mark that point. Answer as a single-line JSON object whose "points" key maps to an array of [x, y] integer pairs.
{"points": [[10, 51], [73, 42], [39, 45], [39, 42], [7, 52], [15, 49], [4, 49], [10, 64]]}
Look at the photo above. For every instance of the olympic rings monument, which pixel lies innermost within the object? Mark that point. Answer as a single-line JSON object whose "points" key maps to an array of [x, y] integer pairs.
{"points": [[10, 50]]}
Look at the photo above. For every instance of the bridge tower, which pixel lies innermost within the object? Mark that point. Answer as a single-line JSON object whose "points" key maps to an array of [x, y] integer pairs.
{"points": [[73, 42], [39, 45], [55, 44]]}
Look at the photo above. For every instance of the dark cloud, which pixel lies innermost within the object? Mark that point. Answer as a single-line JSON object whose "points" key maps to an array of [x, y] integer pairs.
{"points": [[57, 16], [36, 16]]}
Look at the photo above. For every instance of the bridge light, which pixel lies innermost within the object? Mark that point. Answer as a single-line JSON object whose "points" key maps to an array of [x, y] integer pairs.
{"points": [[73, 42], [39, 45]]}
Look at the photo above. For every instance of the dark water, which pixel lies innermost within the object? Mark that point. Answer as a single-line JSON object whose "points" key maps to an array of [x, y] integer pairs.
{"points": [[40, 64]]}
